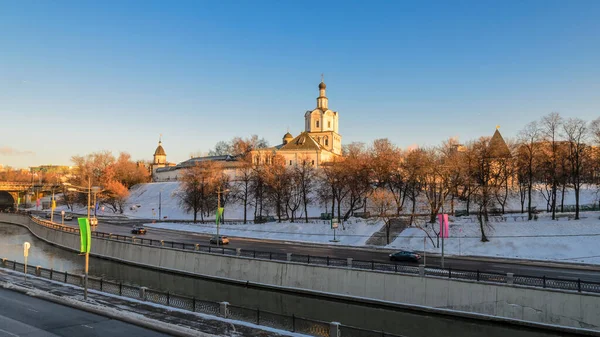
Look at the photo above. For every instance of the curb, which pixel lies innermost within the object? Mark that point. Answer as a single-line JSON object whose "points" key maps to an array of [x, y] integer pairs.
{"points": [[141, 320]]}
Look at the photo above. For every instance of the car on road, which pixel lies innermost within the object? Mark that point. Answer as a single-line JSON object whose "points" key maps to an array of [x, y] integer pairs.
{"points": [[223, 240], [48, 215], [68, 216], [404, 255], [138, 230]]}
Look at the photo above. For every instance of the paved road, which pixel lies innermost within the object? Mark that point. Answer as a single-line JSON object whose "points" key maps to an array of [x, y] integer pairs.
{"points": [[123, 227], [22, 315]]}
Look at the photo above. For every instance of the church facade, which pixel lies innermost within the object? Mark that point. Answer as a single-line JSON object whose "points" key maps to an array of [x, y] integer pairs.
{"points": [[319, 142]]}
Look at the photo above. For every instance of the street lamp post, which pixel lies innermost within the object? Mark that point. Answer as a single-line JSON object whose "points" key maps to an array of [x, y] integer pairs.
{"points": [[87, 254], [52, 207], [159, 205]]}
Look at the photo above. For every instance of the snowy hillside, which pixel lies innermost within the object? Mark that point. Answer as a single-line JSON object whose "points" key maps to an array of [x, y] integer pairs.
{"points": [[143, 202], [562, 240]]}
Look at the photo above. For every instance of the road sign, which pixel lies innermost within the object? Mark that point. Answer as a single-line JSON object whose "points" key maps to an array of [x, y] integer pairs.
{"points": [[62, 212], [334, 225], [26, 246]]}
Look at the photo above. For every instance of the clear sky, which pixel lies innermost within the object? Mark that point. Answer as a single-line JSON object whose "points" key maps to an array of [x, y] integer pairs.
{"points": [[79, 77]]}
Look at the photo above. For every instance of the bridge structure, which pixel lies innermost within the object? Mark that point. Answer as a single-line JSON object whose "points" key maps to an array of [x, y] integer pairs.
{"points": [[10, 192]]}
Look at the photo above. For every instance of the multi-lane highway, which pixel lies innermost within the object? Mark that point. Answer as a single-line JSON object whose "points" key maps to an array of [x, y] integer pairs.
{"points": [[22, 315], [123, 227]]}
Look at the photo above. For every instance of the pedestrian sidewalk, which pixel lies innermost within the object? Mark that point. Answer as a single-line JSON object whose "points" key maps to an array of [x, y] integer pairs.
{"points": [[164, 319]]}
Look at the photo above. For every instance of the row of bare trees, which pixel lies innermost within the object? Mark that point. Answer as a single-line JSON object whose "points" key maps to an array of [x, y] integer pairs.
{"points": [[551, 154]]}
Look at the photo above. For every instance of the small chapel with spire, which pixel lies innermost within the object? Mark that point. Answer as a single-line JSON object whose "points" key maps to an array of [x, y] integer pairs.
{"points": [[160, 159]]}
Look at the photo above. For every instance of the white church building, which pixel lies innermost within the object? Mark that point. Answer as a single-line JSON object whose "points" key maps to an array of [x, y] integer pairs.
{"points": [[319, 142]]}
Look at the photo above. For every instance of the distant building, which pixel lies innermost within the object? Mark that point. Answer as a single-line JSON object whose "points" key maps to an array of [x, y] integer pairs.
{"points": [[320, 142], [160, 161], [58, 169]]}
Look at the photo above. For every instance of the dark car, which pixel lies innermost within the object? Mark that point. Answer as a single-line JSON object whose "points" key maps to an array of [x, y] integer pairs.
{"points": [[405, 256], [223, 240], [138, 230], [49, 215]]}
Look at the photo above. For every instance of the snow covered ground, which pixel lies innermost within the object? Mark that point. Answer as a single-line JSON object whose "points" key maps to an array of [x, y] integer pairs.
{"points": [[145, 199], [354, 232], [561, 240]]}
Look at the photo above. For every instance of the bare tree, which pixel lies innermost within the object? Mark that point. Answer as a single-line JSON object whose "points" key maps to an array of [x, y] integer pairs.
{"points": [[355, 179], [576, 131], [483, 171], [242, 186], [551, 127], [294, 197], [304, 177], [383, 208], [384, 165], [528, 152], [411, 168], [278, 183], [198, 189]]}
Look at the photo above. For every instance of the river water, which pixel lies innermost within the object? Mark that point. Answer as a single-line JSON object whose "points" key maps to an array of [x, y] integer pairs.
{"points": [[410, 323]]}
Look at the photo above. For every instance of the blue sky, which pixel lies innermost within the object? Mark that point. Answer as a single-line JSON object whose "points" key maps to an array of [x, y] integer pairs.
{"points": [[78, 77]]}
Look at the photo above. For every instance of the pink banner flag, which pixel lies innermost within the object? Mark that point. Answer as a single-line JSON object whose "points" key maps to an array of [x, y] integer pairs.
{"points": [[37, 202], [444, 227]]}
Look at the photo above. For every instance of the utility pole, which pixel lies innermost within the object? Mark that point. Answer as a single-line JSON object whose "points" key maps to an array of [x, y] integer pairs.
{"points": [[87, 254], [159, 204], [443, 232], [218, 207], [52, 207]]}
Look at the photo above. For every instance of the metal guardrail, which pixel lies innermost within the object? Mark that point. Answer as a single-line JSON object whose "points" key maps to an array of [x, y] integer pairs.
{"points": [[462, 274], [221, 309]]}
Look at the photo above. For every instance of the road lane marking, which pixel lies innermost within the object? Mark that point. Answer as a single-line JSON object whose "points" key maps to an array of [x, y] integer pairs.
{"points": [[32, 310], [9, 333], [87, 326]]}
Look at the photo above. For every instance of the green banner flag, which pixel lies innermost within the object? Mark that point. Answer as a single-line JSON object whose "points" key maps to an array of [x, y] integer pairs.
{"points": [[219, 215], [18, 201], [85, 235]]}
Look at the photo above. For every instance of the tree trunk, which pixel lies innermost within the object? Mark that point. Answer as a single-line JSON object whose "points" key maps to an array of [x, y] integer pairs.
{"points": [[482, 227], [562, 197], [414, 206], [529, 211], [577, 201], [332, 202], [469, 202], [339, 207], [554, 187], [387, 231], [245, 205]]}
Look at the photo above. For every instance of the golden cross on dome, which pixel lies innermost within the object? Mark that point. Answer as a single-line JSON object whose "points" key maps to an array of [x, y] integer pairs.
{"points": [[497, 127], [160, 138], [322, 77]]}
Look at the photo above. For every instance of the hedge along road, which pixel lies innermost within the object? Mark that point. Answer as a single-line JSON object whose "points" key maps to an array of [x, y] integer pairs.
{"points": [[123, 227]]}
